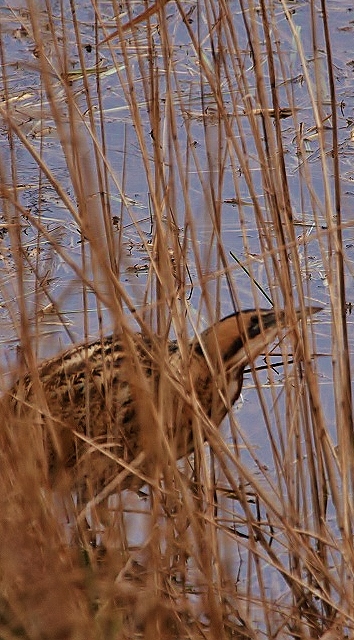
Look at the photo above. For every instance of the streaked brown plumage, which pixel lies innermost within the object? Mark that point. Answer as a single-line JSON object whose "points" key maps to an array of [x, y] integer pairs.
{"points": [[124, 397]]}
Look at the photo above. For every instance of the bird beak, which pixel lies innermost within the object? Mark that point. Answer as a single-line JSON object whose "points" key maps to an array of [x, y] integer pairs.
{"points": [[272, 318], [309, 311]]}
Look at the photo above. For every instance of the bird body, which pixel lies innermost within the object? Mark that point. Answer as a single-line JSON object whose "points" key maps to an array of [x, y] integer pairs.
{"points": [[105, 402]]}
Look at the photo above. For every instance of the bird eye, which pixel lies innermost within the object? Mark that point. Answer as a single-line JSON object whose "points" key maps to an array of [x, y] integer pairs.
{"points": [[254, 328]]}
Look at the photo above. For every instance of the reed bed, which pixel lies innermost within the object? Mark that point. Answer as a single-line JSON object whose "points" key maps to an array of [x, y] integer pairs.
{"points": [[162, 165]]}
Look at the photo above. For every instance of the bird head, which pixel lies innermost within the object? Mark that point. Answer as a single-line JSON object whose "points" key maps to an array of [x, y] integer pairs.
{"points": [[226, 347], [239, 338]]}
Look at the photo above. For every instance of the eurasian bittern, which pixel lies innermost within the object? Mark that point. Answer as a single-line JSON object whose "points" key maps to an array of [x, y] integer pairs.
{"points": [[106, 403]]}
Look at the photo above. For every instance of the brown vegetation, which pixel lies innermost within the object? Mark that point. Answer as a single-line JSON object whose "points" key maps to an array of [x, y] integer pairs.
{"points": [[251, 536]]}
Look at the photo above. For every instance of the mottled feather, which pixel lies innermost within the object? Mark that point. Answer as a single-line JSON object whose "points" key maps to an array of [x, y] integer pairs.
{"points": [[115, 391]]}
